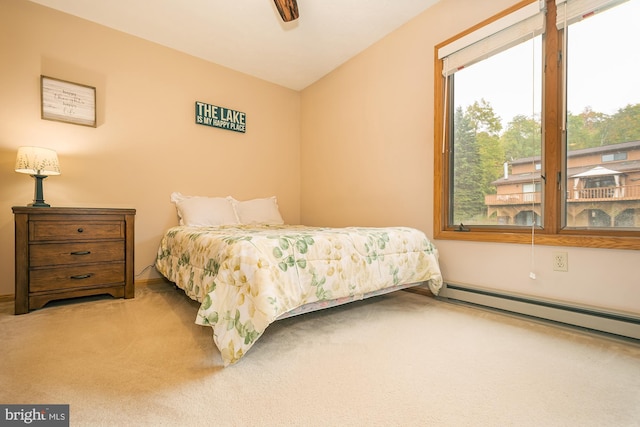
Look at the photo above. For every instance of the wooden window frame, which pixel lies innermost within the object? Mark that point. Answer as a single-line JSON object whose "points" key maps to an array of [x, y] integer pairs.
{"points": [[553, 153]]}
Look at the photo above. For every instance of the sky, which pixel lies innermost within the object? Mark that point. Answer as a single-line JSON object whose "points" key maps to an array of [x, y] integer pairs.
{"points": [[604, 69]]}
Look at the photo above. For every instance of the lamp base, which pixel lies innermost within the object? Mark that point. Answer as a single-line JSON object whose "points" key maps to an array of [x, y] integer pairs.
{"points": [[39, 205], [38, 198]]}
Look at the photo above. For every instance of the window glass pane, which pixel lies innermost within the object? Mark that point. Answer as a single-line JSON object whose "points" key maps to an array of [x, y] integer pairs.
{"points": [[495, 140], [603, 120]]}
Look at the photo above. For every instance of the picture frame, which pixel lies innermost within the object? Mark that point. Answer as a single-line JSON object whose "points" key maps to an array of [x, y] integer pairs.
{"points": [[67, 102]]}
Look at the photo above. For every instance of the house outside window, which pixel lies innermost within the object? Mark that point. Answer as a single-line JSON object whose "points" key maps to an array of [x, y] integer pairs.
{"points": [[521, 140]]}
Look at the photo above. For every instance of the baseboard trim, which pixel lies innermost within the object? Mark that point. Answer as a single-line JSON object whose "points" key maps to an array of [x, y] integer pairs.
{"points": [[621, 324], [420, 290], [151, 282]]}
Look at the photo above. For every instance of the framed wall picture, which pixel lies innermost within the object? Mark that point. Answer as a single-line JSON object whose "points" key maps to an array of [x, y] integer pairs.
{"points": [[68, 102]]}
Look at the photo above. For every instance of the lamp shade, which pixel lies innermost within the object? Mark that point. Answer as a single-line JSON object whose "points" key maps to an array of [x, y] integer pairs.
{"points": [[37, 161]]}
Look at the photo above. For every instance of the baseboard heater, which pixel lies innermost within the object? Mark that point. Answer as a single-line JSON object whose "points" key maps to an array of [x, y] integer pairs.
{"points": [[623, 325]]}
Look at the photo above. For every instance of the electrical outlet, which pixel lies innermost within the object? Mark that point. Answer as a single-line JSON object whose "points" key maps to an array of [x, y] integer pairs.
{"points": [[560, 261]]}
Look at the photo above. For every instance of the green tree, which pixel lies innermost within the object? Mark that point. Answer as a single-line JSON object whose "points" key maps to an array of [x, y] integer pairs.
{"points": [[491, 160], [522, 138], [467, 180], [624, 125], [483, 119], [587, 130], [487, 126]]}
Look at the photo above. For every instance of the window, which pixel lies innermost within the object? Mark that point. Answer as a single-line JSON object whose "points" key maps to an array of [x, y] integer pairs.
{"points": [[532, 188], [529, 106], [614, 157]]}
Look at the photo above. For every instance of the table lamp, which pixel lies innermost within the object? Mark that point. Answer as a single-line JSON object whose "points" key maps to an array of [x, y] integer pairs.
{"points": [[39, 163]]}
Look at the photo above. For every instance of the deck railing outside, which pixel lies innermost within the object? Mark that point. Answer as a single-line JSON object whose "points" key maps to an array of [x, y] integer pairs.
{"points": [[624, 192]]}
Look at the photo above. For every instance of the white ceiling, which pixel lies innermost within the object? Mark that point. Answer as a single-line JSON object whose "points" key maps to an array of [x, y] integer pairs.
{"points": [[249, 36]]}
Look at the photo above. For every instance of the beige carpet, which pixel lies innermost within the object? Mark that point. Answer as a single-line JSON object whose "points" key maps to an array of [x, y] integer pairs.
{"points": [[399, 360]]}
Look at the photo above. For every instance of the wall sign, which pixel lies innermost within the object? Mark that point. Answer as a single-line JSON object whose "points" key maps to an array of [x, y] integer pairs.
{"points": [[220, 117], [67, 102]]}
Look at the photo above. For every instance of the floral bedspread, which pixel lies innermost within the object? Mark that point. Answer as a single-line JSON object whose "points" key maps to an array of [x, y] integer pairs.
{"points": [[245, 277]]}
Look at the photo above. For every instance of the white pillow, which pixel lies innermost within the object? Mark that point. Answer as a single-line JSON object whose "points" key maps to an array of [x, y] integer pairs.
{"points": [[258, 211], [204, 211]]}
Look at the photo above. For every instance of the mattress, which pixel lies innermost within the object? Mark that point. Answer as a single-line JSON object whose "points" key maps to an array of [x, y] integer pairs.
{"points": [[247, 277]]}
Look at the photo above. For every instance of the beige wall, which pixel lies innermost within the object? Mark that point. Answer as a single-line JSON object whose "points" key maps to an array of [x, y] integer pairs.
{"points": [[146, 144], [367, 158]]}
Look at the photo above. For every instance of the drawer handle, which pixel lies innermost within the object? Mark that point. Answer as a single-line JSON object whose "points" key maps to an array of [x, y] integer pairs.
{"points": [[80, 230], [82, 276], [81, 253]]}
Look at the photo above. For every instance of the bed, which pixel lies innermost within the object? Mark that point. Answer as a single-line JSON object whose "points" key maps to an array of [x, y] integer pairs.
{"points": [[248, 274]]}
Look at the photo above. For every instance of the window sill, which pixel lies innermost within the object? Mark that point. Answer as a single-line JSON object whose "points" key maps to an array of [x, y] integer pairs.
{"points": [[540, 238]]}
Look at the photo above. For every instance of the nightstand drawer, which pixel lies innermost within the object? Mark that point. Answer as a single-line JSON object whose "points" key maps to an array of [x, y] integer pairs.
{"points": [[42, 255], [76, 277], [77, 230]]}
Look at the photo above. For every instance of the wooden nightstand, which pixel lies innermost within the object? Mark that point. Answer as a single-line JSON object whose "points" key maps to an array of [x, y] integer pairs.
{"points": [[72, 252]]}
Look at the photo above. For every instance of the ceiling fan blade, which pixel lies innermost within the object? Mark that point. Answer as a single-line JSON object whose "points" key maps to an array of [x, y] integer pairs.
{"points": [[288, 9]]}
